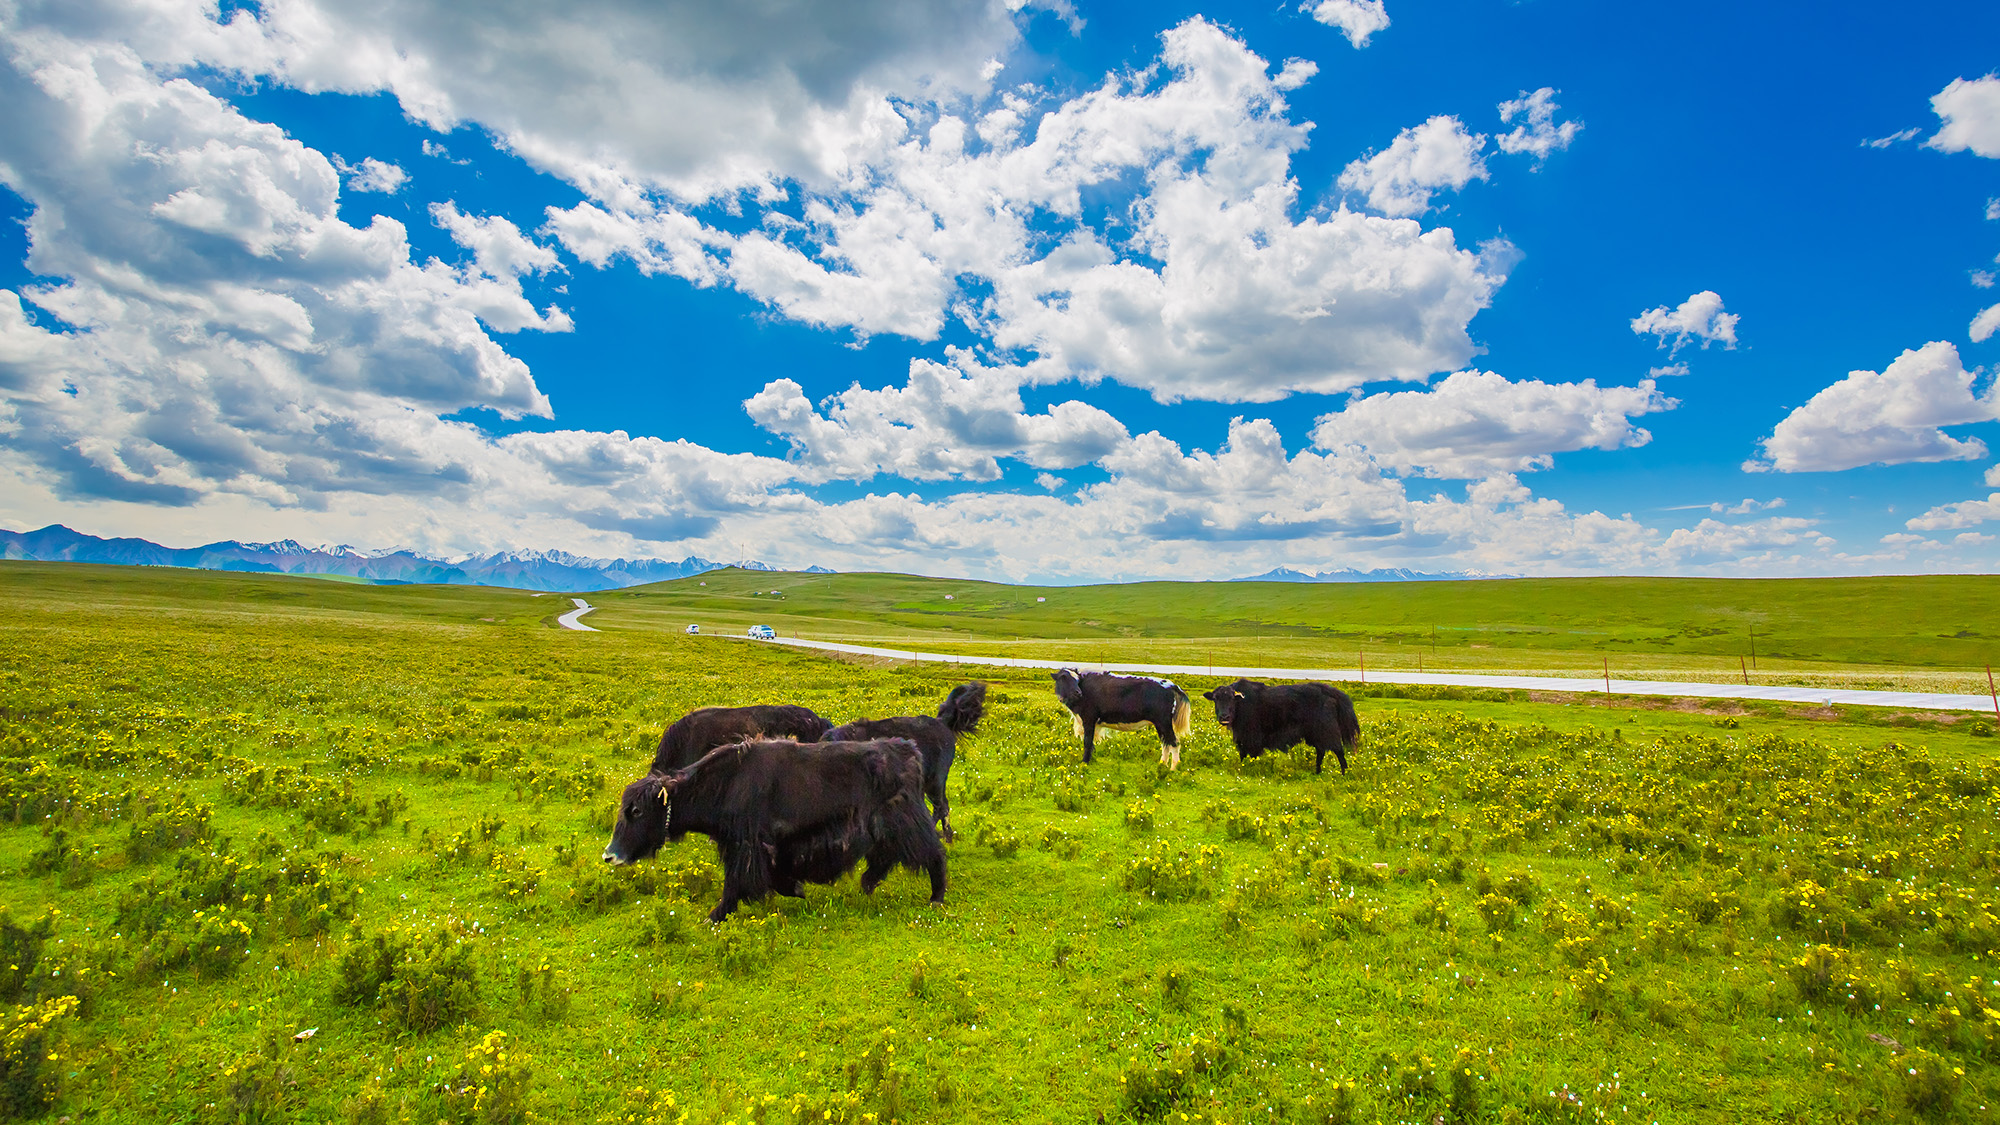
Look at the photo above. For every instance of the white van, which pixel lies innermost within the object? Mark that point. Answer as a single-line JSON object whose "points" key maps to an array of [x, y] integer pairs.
{"points": [[694, 630], [763, 633]]}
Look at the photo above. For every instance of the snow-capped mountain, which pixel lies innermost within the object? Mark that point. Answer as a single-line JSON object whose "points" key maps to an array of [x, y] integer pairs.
{"points": [[1390, 574], [524, 570]]}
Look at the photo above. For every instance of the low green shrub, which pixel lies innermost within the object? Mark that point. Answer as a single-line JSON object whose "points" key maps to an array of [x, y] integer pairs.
{"points": [[418, 982], [542, 993], [1171, 874], [1148, 1090], [163, 823], [21, 952], [28, 1084], [1139, 815], [489, 1087]]}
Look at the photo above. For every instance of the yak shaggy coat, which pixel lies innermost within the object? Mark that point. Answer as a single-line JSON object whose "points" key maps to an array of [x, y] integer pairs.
{"points": [[698, 732], [1261, 717], [936, 738], [783, 813]]}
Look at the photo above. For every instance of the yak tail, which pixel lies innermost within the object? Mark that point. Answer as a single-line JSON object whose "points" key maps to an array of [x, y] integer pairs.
{"points": [[1347, 721], [1183, 716], [964, 707]]}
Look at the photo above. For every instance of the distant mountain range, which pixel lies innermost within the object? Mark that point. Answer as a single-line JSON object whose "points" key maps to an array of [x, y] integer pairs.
{"points": [[521, 570], [1392, 574]]}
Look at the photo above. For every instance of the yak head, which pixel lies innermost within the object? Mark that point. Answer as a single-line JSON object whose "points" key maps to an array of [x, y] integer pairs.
{"points": [[1069, 687], [645, 812], [1226, 698]]}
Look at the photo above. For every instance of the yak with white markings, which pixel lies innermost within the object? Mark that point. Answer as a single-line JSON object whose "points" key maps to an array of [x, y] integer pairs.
{"points": [[1100, 699], [936, 739], [698, 732], [1264, 717], [783, 813]]}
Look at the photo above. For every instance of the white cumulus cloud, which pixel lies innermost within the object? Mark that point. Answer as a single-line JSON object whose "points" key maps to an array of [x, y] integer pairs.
{"points": [[1699, 317], [1477, 424], [373, 175], [1209, 287], [1970, 110], [1889, 417], [1985, 324], [1538, 135], [1423, 160], [1950, 517], [942, 424], [764, 92], [1356, 19], [234, 333], [1712, 541]]}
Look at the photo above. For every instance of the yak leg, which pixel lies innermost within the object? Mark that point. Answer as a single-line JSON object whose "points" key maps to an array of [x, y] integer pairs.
{"points": [[941, 811], [731, 897], [936, 868], [881, 861], [783, 880], [1170, 750], [920, 848], [1339, 752], [1089, 739], [746, 876]]}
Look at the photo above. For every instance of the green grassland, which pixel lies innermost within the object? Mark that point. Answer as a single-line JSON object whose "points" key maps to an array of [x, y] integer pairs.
{"points": [[1912, 633], [235, 808]]}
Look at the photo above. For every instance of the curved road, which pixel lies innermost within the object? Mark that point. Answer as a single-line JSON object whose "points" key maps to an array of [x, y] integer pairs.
{"points": [[1928, 701], [569, 620]]}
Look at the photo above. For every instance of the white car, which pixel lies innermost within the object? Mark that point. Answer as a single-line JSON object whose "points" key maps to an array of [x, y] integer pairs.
{"points": [[762, 633], [693, 630]]}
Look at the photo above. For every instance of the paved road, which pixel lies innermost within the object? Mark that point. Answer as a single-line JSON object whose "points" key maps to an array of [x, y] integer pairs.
{"points": [[1929, 701], [569, 620]]}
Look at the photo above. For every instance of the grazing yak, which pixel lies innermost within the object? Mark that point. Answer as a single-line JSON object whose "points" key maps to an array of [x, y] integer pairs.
{"points": [[698, 732], [936, 738], [1260, 717], [1099, 699], [783, 813]]}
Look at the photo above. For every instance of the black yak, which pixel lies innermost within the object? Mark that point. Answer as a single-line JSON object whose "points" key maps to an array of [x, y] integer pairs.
{"points": [[936, 738], [1099, 699], [783, 813], [1260, 717], [698, 732]]}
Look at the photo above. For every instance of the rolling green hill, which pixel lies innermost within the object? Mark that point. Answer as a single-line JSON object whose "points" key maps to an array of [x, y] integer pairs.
{"points": [[1929, 633], [1879, 628]]}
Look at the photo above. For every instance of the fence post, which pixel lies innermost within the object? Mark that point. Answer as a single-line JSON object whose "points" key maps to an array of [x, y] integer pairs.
{"points": [[1995, 694], [1364, 667], [1746, 671], [1607, 675]]}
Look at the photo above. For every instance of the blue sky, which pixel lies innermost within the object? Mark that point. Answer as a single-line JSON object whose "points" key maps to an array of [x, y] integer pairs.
{"points": [[1056, 292]]}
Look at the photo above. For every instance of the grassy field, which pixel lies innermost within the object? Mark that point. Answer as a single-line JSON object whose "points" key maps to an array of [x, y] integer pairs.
{"points": [[1916, 634], [239, 808]]}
